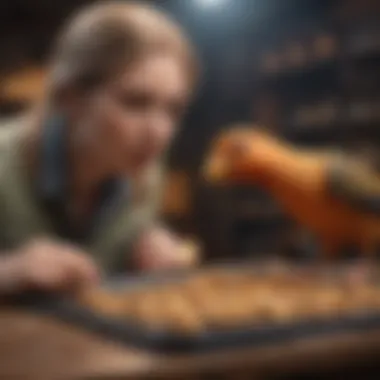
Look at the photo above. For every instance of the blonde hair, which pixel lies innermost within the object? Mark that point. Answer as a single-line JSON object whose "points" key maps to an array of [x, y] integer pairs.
{"points": [[103, 39]]}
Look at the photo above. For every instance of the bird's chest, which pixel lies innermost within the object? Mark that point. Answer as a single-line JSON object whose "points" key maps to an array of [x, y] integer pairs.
{"points": [[310, 206]]}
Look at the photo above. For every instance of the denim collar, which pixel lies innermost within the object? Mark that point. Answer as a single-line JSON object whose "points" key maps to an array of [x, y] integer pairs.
{"points": [[53, 173], [53, 179]]}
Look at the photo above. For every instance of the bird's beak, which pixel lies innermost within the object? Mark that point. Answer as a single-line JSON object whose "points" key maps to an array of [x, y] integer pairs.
{"points": [[215, 170]]}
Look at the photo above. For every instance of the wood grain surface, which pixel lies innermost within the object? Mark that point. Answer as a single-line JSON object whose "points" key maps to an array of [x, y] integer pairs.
{"points": [[34, 347]]}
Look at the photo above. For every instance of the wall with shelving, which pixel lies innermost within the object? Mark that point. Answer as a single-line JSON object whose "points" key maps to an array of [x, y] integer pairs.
{"points": [[316, 82], [323, 81]]}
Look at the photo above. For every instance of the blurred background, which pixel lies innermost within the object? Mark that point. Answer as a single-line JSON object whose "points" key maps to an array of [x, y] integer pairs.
{"points": [[309, 70]]}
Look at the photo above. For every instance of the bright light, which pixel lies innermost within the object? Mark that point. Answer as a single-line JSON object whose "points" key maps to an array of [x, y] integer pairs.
{"points": [[210, 3]]}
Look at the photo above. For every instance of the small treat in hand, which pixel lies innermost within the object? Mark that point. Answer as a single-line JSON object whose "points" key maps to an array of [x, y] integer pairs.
{"points": [[158, 249], [189, 253]]}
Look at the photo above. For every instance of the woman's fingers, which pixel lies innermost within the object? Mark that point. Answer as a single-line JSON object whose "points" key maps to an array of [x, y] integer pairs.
{"points": [[53, 266], [80, 266]]}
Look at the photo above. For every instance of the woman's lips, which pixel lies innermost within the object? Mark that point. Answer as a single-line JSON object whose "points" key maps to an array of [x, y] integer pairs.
{"points": [[144, 156]]}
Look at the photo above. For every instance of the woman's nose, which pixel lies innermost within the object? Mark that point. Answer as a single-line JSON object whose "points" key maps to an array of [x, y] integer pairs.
{"points": [[159, 129]]}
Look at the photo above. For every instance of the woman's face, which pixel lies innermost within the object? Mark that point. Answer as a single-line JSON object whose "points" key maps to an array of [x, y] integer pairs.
{"points": [[132, 119]]}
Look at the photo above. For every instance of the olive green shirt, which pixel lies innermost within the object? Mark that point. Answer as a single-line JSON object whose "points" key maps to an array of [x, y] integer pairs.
{"points": [[23, 217]]}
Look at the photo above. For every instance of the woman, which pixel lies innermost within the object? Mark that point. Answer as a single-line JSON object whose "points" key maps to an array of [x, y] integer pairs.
{"points": [[79, 186]]}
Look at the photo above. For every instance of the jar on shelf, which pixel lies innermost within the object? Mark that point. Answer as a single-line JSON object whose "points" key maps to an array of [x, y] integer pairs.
{"points": [[296, 55], [271, 62], [364, 39], [325, 47], [305, 116], [361, 111], [377, 110], [327, 112]]}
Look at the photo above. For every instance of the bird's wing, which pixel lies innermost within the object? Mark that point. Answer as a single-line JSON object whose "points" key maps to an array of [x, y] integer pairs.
{"points": [[354, 182]]}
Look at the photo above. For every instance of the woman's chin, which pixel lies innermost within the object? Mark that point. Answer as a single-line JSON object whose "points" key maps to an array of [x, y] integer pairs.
{"points": [[146, 158]]}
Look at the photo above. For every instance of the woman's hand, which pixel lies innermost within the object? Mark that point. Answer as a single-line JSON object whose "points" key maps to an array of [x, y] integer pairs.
{"points": [[158, 249], [48, 266]]}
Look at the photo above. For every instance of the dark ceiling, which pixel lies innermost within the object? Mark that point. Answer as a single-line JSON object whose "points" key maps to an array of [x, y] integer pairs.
{"points": [[28, 26]]}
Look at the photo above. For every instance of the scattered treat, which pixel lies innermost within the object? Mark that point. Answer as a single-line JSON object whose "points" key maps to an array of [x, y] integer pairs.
{"points": [[104, 302], [222, 299]]}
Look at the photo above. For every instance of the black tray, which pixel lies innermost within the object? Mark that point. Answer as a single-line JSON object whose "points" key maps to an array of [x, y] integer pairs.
{"points": [[131, 333]]}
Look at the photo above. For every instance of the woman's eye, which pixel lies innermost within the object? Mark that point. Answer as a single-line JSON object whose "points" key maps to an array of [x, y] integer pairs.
{"points": [[136, 101]]}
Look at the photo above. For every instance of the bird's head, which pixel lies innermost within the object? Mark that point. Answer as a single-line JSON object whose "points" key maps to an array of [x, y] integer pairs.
{"points": [[237, 155]]}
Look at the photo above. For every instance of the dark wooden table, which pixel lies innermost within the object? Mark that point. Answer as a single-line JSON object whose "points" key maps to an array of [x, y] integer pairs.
{"points": [[35, 347]]}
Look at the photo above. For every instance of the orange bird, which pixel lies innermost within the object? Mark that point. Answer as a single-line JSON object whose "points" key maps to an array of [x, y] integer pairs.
{"points": [[334, 196]]}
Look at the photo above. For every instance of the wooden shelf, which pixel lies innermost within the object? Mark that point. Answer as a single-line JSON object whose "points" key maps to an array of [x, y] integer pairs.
{"points": [[318, 66], [300, 72], [23, 86], [334, 130], [365, 54]]}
